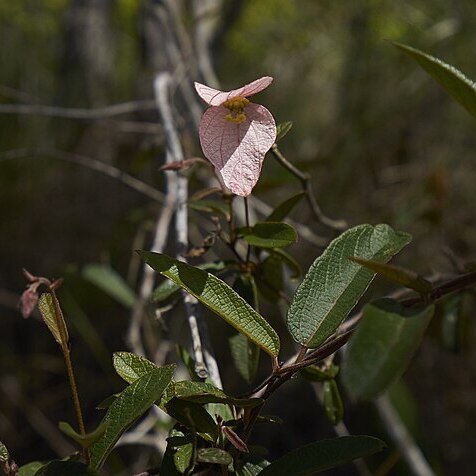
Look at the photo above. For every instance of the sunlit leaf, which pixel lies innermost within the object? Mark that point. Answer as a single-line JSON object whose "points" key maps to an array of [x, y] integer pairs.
{"points": [[201, 392], [382, 346], [333, 285], [131, 403], [270, 235], [397, 274], [454, 81], [285, 208], [214, 456], [323, 455], [48, 311], [181, 447], [131, 366], [110, 282], [219, 297]]}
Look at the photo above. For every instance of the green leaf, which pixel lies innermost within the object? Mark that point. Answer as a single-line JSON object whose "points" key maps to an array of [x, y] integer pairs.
{"points": [[164, 290], [270, 235], [454, 81], [46, 305], [110, 282], [167, 288], [131, 403], [219, 297], [382, 347], [323, 455], [397, 274], [333, 284], [314, 373], [282, 129], [269, 278], [181, 448], [84, 440], [285, 208], [61, 468], [214, 456], [245, 356], [291, 263], [30, 469], [250, 465], [130, 366], [332, 402], [193, 416], [211, 206], [4, 454], [201, 392]]}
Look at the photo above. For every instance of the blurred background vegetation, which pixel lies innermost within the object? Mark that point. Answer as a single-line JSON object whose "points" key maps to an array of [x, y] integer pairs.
{"points": [[383, 144]]}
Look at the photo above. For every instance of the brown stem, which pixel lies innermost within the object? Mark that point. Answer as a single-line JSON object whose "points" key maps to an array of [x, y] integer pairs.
{"points": [[69, 366], [305, 180]]}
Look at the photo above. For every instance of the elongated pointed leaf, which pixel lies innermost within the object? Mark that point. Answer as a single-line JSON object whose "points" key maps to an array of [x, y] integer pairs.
{"points": [[132, 402], [30, 469], [214, 456], [201, 392], [48, 311], [130, 366], [270, 235], [323, 455], [282, 129], [285, 208], [84, 440], [245, 356], [182, 448], [382, 347], [219, 297], [332, 402], [397, 274], [453, 80], [333, 284], [193, 416], [211, 206], [111, 282], [250, 465]]}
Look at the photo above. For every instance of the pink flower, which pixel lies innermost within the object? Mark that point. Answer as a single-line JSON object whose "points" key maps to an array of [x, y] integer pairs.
{"points": [[235, 134]]}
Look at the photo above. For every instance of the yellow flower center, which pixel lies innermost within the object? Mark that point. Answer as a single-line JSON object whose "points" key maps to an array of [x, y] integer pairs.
{"points": [[236, 106]]}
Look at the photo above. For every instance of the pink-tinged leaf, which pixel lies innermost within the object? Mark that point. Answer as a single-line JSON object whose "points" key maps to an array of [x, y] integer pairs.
{"points": [[237, 150], [214, 97]]}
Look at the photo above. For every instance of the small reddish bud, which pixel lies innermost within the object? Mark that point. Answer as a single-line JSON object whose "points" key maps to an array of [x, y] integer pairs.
{"points": [[29, 300]]}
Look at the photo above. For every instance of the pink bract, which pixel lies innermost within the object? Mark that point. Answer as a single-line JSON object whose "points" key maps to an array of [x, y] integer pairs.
{"points": [[214, 97], [236, 148]]}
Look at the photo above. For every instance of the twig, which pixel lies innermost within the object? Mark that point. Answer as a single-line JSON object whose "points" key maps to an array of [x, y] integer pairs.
{"points": [[78, 113], [161, 85], [305, 180], [148, 279], [410, 452], [90, 163]]}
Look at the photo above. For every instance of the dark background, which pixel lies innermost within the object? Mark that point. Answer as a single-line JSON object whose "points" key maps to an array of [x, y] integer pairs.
{"points": [[382, 141]]}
